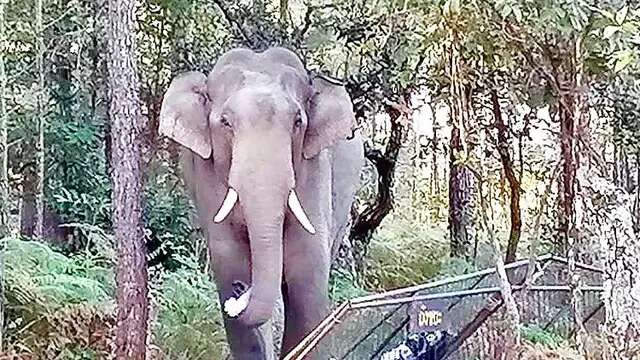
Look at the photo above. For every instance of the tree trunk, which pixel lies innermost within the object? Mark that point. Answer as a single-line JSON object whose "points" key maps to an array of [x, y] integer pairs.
{"points": [[461, 189], [605, 217], [284, 12], [570, 104], [99, 88], [41, 121], [126, 175], [614, 172], [4, 184], [28, 201], [434, 160], [622, 288], [514, 184], [511, 339], [636, 203], [366, 222], [567, 193], [461, 179]]}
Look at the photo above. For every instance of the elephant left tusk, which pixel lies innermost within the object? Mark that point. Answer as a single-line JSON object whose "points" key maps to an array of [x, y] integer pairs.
{"points": [[227, 206], [298, 212]]}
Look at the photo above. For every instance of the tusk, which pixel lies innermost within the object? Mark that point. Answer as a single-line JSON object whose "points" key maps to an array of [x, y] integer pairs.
{"points": [[227, 205], [233, 307], [298, 211]]}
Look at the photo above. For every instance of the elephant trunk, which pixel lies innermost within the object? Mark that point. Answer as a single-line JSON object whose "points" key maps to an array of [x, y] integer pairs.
{"points": [[265, 233], [263, 181]]}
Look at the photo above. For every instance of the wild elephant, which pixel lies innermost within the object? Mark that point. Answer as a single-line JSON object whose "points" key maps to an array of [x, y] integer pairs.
{"points": [[272, 160]]}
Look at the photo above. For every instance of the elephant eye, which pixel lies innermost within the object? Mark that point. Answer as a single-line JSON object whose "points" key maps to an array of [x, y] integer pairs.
{"points": [[224, 121]]}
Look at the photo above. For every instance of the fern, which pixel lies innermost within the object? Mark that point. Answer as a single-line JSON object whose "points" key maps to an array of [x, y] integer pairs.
{"points": [[189, 324], [53, 300], [56, 304]]}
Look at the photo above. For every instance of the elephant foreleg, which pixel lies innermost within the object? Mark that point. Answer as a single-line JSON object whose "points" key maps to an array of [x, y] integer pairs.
{"points": [[306, 299], [230, 265]]}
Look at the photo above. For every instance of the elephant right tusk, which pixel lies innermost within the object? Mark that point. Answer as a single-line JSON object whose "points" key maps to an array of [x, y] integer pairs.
{"points": [[227, 205]]}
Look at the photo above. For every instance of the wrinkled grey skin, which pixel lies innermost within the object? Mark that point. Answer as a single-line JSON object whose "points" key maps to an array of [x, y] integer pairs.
{"points": [[258, 124]]}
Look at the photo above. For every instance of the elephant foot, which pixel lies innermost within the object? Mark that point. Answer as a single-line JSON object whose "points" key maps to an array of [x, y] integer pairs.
{"points": [[258, 349]]}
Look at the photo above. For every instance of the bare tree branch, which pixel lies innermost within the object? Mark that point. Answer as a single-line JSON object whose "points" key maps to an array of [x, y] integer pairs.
{"points": [[235, 23]]}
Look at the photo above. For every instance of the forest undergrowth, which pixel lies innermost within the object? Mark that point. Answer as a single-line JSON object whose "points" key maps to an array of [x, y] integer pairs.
{"points": [[62, 306]]}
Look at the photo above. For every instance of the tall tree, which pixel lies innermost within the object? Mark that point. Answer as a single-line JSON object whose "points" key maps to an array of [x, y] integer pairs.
{"points": [[40, 120], [4, 185], [126, 175], [367, 221], [461, 179], [504, 151]]}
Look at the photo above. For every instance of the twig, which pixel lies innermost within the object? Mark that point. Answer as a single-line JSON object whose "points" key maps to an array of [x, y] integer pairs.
{"points": [[64, 14], [306, 24], [233, 21]]}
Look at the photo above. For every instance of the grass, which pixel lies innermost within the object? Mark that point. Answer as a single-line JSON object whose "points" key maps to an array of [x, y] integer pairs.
{"points": [[404, 254]]}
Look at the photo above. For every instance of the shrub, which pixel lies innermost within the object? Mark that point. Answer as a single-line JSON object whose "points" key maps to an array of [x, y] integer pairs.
{"points": [[62, 307], [343, 286], [537, 335], [189, 323], [404, 254], [56, 306], [168, 220]]}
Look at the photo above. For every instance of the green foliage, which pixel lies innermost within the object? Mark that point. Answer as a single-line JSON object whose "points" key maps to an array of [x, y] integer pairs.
{"points": [[62, 306], [168, 220], [53, 301], [189, 323], [56, 278], [377, 47], [537, 335], [623, 99], [404, 254], [77, 183], [343, 286]]}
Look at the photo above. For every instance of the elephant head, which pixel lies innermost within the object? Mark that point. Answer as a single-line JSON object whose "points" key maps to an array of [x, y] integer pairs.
{"points": [[261, 118]]}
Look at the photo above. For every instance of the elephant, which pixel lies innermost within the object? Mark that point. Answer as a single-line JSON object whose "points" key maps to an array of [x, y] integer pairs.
{"points": [[271, 157]]}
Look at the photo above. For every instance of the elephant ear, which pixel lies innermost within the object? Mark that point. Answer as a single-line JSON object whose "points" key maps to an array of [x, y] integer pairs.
{"points": [[185, 111], [331, 117]]}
